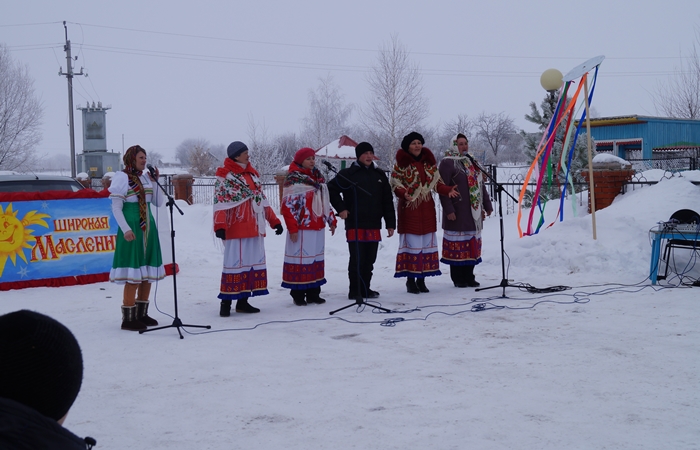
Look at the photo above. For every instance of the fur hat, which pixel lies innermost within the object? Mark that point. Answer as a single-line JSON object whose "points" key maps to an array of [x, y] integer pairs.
{"points": [[302, 154], [410, 137], [235, 149], [362, 148], [42, 366]]}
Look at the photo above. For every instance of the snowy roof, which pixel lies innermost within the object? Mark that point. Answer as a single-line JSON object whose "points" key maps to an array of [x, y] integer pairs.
{"points": [[342, 148]]}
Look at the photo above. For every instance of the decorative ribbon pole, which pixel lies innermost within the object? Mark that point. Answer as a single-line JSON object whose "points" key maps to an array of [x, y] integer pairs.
{"points": [[578, 72]]}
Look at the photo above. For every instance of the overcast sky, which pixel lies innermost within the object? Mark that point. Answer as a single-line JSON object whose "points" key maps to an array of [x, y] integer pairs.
{"points": [[173, 70]]}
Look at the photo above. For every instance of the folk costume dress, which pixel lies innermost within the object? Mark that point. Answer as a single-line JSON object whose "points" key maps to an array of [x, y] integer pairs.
{"points": [[461, 242], [241, 210], [419, 177], [138, 260], [306, 210]]}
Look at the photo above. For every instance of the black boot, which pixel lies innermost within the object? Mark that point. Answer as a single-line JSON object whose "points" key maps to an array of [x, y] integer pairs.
{"points": [[411, 286], [129, 320], [225, 309], [242, 306], [420, 283], [458, 276], [314, 296], [298, 296], [142, 313], [470, 279]]}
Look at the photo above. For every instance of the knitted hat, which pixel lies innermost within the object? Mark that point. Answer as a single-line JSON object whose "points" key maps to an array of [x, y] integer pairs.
{"points": [[410, 137], [42, 366], [302, 154], [362, 148], [235, 149]]}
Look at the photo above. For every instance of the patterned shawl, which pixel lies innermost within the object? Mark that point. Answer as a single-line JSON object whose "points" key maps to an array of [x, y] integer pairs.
{"points": [[300, 181], [474, 179], [135, 185], [405, 176], [231, 190]]}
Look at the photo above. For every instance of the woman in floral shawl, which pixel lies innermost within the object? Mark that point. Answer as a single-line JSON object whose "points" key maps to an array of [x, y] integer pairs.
{"points": [[414, 179], [462, 218], [137, 257], [240, 212], [306, 210]]}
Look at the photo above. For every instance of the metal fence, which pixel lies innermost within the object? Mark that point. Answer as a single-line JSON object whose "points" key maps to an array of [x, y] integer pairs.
{"points": [[671, 164], [203, 187]]}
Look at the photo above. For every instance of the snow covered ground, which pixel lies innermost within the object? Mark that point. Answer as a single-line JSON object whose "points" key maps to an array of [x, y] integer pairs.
{"points": [[610, 363]]}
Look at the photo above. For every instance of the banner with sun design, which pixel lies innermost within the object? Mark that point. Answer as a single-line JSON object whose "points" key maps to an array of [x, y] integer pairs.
{"points": [[55, 241]]}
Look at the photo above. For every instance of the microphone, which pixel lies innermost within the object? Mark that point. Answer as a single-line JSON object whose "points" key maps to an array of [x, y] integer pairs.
{"points": [[329, 166], [471, 158], [152, 171]]}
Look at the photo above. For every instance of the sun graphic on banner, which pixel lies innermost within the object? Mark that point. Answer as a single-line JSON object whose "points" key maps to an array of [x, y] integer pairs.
{"points": [[14, 234]]}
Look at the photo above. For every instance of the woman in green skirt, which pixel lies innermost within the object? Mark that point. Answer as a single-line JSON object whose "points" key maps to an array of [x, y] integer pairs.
{"points": [[137, 258]]}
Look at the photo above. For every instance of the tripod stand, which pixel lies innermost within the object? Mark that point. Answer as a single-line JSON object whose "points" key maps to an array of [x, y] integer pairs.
{"points": [[359, 299], [499, 190], [177, 323]]}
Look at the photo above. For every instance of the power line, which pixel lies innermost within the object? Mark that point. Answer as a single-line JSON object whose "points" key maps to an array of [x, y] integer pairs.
{"points": [[322, 47]]}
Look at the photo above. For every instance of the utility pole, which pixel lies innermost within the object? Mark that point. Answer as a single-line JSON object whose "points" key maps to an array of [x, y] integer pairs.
{"points": [[69, 76]]}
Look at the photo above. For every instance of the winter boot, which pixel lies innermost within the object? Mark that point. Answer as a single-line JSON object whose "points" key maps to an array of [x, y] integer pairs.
{"points": [[420, 283], [314, 296], [458, 276], [471, 280], [242, 306], [225, 309], [129, 321], [411, 286], [298, 296], [142, 313]]}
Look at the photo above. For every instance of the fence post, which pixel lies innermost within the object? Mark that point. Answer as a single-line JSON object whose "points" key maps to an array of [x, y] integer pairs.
{"points": [[182, 185], [608, 179], [279, 179]]}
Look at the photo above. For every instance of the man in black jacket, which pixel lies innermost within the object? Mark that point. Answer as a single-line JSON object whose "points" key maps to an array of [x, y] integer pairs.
{"points": [[40, 375], [362, 196]]}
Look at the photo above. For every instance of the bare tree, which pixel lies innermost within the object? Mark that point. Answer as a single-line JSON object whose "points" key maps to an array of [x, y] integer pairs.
{"points": [[328, 114], [184, 150], [287, 145], [461, 124], [20, 115], [679, 96], [264, 155], [155, 157], [495, 130], [197, 155], [219, 152], [202, 161], [396, 105]]}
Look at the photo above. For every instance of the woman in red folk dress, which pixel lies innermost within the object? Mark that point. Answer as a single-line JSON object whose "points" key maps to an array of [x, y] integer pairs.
{"points": [[414, 178], [306, 210], [240, 212]]}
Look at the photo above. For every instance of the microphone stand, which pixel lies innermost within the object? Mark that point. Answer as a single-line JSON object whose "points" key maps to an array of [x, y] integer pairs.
{"points": [[499, 189], [177, 323], [359, 299]]}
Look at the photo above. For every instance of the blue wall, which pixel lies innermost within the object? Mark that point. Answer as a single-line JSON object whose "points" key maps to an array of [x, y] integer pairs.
{"points": [[653, 131]]}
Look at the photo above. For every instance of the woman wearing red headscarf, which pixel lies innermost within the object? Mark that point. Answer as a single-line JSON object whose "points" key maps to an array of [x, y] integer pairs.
{"points": [[306, 210], [137, 257]]}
